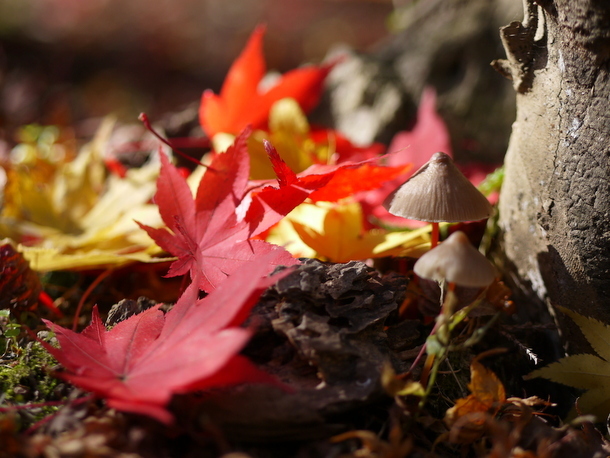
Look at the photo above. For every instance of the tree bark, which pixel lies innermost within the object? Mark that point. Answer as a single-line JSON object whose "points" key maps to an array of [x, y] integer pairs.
{"points": [[555, 202]]}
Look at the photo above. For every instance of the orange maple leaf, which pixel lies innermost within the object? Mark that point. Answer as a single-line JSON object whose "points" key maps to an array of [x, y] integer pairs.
{"points": [[243, 102], [350, 179], [468, 416]]}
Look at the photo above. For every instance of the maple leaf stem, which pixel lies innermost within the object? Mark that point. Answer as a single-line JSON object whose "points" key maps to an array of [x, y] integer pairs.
{"points": [[144, 118], [86, 295]]}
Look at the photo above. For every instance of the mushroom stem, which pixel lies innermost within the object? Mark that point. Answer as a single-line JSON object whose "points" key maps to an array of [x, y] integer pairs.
{"points": [[446, 311], [435, 235]]}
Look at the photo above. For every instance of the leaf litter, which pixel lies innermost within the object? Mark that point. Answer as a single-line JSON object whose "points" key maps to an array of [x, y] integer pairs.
{"points": [[313, 359]]}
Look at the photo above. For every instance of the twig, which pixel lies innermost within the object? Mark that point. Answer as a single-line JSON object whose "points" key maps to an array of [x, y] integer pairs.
{"points": [[144, 118], [86, 294]]}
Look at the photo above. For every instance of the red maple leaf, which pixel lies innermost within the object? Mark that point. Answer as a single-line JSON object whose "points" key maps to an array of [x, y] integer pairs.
{"points": [[331, 183], [270, 204], [353, 178], [242, 102], [141, 362], [207, 234], [318, 182], [428, 136]]}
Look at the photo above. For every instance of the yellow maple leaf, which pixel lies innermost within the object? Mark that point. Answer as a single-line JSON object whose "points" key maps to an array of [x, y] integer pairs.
{"points": [[585, 371], [336, 232], [70, 214], [284, 234], [289, 133]]}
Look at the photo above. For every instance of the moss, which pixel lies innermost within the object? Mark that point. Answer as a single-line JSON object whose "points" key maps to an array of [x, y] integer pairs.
{"points": [[25, 378]]}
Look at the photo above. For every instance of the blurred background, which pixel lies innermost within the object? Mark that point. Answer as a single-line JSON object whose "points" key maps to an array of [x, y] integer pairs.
{"points": [[62, 59], [66, 61]]}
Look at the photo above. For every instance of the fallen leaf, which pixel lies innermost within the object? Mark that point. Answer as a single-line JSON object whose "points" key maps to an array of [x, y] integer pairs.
{"points": [[351, 179], [470, 413], [243, 102], [270, 204], [339, 235], [207, 235], [324, 153], [289, 132], [585, 372], [70, 213], [141, 362]]}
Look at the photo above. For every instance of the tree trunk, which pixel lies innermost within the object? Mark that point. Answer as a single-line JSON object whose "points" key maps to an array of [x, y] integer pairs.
{"points": [[555, 203]]}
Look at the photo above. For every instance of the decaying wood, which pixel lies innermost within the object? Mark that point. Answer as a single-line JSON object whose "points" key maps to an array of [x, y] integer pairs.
{"points": [[321, 331], [555, 203]]}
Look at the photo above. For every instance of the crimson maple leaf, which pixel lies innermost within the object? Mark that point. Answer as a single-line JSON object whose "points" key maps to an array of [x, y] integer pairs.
{"points": [[270, 204], [208, 235], [319, 183], [331, 183], [242, 102], [428, 136], [141, 362]]}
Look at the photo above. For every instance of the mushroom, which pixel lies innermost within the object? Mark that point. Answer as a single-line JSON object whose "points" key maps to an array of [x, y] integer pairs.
{"points": [[457, 262], [439, 192]]}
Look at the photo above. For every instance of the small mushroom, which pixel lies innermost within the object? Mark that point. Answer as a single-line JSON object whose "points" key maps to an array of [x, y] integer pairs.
{"points": [[456, 261], [439, 192]]}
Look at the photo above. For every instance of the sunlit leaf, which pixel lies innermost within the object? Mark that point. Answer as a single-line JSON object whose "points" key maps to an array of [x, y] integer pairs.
{"points": [[242, 100], [72, 214], [586, 372], [205, 232], [337, 233], [596, 332], [289, 133], [141, 362]]}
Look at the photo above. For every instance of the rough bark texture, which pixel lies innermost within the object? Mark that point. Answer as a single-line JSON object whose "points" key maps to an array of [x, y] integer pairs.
{"points": [[555, 203]]}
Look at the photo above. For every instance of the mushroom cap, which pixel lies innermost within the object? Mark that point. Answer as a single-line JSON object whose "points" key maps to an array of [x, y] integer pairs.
{"points": [[456, 261], [438, 192]]}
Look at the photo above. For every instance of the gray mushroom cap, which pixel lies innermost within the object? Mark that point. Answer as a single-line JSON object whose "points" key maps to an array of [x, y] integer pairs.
{"points": [[456, 261], [439, 192]]}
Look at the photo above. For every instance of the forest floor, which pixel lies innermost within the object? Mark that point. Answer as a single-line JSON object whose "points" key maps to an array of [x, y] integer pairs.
{"points": [[265, 304]]}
